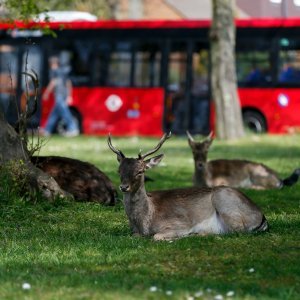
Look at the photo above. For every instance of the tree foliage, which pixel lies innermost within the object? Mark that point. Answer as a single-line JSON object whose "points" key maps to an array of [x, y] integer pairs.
{"points": [[26, 9], [20, 9]]}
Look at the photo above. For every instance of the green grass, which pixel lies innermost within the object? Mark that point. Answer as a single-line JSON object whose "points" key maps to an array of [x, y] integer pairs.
{"points": [[71, 250]]}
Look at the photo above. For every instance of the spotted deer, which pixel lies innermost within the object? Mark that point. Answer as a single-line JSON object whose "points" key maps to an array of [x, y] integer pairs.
{"points": [[233, 172], [176, 213], [82, 180]]}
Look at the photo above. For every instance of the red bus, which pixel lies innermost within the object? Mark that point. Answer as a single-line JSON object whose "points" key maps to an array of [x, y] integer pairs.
{"points": [[146, 77]]}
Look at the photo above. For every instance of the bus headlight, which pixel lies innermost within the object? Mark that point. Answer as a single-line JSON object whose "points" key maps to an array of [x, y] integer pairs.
{"points": [[283, 100]]}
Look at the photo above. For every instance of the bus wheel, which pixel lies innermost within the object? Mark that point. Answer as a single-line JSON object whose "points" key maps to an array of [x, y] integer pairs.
{"points": [[254, 121], [61, 126]]}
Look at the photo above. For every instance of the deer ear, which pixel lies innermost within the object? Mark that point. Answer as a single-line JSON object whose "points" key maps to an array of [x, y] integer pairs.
{"points": [[154, 161]]}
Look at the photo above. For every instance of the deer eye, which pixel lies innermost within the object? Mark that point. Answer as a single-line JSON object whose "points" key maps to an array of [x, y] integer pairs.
{"points": [[138, 174]]}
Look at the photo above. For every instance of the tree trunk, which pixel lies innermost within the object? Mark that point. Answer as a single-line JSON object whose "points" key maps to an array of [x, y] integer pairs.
{"points": [[229, 122], [13, 149]]}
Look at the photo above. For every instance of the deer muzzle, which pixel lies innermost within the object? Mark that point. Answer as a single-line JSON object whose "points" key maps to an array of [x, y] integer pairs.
{"points": [[199, 165], [124, 188]]}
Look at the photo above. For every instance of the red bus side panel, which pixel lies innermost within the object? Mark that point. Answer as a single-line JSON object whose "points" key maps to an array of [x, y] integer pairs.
{"points": [[120, 111], [279, 106]]}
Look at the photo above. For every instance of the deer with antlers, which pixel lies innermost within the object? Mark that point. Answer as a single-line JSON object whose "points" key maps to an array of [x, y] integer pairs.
{"points": [[233, 172], [176, 213]]}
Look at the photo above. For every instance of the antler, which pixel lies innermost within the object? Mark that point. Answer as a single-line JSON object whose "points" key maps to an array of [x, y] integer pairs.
{"points": [[209, 137], [35, 80], [160, 143], [113, 149], [29, 113], [190, 136]]}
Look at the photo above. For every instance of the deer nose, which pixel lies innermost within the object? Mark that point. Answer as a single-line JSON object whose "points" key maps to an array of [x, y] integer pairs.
{"points": [[199, 165], [124, 188]]}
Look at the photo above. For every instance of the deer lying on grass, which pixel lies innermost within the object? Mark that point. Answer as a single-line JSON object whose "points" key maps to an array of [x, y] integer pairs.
{"points": [[233, 172], [170, 214], [81, 179]]}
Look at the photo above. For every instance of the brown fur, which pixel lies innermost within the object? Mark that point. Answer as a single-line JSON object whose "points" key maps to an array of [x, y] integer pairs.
{"points": [[230, 172], [81, 179], [170, 214]]}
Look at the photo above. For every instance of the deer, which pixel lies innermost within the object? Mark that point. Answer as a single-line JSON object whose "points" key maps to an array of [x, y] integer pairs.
{"points": [[236, 173], [176, 213], [84, 181]]}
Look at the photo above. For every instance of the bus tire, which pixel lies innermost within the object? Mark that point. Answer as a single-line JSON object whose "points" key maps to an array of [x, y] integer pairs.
{"points": [[254, 121], [61, 126]]}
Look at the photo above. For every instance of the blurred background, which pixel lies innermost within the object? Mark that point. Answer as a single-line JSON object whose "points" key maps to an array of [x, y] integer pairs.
{"points": [[167, 9], [145, 65]]}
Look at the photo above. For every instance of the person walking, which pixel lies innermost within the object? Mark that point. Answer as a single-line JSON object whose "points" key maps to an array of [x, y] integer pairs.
{"points": [[61, 85]]}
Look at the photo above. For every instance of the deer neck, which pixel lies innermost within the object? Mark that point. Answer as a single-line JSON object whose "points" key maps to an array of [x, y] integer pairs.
{"points": [[201, 175], [139, 209]]}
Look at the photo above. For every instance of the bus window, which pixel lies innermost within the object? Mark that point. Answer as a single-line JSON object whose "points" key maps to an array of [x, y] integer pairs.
{"points": [[176, 108], [200, 91], [8, 78], [289, 61], [119, 68], [177, 71], [100, 63], [253, 68], [147, 66], [77, 54]]}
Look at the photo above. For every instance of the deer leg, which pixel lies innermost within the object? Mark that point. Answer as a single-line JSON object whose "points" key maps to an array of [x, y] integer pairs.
{"points": [[262, 183], [264, 179], [170, 235], [232, 222], [258, 187], [134, 231], [236, 211], [136, 234]]}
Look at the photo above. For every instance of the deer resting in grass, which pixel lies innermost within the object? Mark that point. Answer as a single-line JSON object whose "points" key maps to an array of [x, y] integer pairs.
{"points": [[81, 179], [233, 172], [171, 214]]}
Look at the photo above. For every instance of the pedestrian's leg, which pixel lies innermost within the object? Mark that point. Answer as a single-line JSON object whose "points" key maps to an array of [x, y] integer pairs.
{"points": [[52, 119], [200, 115], [68, 119]]}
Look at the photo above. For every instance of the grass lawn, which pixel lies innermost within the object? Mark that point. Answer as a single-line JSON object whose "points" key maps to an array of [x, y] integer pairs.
{"points": [[85, 251]]}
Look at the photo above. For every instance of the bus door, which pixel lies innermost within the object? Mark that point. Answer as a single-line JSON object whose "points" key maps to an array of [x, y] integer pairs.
{"points": [[200, 90], [8, 80], [31, 60], [176, 103]]}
